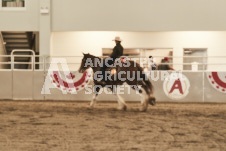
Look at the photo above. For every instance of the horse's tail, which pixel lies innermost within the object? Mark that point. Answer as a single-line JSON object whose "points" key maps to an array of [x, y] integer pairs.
{"points": [[145, 79], [149, 86]]}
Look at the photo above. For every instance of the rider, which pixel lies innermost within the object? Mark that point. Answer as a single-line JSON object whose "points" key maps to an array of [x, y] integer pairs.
{"points": [[117, 52]]}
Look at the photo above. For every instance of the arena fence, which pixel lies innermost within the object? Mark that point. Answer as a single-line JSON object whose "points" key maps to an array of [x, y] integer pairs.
{"points": [[37, 82]]}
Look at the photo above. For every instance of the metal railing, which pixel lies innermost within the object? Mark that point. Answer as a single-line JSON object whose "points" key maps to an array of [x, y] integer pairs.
{"points": [[32, 63], [74, 61]]}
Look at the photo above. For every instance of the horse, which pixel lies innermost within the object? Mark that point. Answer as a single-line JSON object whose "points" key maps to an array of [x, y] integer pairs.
{"points": [[127, 67]]}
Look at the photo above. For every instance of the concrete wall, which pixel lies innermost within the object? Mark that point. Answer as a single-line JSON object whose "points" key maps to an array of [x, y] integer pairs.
{"points": [[138, 15], [74, 43], [21, 20], [118, 15], [30, 18]]}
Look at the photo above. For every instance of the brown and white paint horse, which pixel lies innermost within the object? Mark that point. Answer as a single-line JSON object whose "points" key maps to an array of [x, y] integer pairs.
{"points": [[133, 69]]}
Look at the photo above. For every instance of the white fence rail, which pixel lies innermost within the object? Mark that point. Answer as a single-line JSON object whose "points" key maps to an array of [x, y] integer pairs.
{"points": [[37, 62]]}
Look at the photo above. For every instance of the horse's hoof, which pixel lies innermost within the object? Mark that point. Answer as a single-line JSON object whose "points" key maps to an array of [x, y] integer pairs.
{"points": [[124, 108], [91, 106], [152, 101], [144, 107]]}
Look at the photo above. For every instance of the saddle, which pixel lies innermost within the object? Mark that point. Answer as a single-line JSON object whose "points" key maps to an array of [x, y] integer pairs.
{"points": [[115, 67]]}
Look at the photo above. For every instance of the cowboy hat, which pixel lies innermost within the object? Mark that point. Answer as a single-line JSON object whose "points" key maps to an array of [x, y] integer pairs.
{"points": [[117, 39]]}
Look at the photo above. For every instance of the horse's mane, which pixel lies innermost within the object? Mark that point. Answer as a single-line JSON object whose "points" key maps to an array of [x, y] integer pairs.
{"points": [[91, 56]]}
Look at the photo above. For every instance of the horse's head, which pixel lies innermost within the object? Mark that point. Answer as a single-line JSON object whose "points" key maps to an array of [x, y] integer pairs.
{"points": [[84, 65]]}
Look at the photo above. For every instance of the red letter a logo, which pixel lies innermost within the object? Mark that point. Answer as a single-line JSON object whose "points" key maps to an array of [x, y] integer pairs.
{"points": [[177, 85]]}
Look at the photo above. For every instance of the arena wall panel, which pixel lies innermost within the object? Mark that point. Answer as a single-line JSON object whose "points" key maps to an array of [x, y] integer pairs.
{"points": [[213, 91], [57, 94], [23, 85], [194, 91], [193, 87], [6, 85], [38, 81], [194, 94]]}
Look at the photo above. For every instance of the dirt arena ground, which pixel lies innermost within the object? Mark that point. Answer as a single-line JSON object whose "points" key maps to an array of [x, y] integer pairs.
{"points": [[58, 126]]}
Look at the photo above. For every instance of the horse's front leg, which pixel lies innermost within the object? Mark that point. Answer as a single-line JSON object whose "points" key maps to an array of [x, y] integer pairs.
{"points": [[93, 101], [121, 103]]}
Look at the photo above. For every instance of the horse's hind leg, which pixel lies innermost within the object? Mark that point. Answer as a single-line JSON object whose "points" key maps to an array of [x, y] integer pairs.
{"points": [[149, 92], [139, 91], [144, 100]]}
